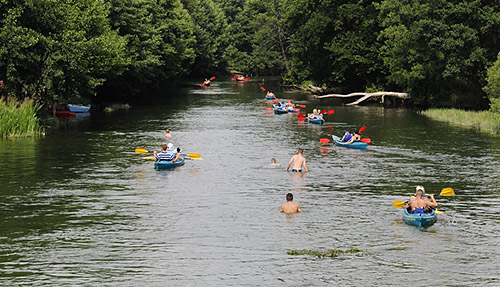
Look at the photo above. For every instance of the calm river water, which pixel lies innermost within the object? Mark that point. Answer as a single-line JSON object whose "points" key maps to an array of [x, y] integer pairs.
{"points": [[78, 207]]}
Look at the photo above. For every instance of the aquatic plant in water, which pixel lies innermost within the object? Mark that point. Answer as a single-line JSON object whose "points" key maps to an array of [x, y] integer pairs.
{"points": [[333, 253], [483, 121]]}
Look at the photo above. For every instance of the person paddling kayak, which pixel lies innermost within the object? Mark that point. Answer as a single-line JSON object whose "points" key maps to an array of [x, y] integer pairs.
{"points": [[419, 204]]}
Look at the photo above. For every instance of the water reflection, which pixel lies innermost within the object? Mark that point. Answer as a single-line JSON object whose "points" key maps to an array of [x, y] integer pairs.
{"points": [[80, 207]]}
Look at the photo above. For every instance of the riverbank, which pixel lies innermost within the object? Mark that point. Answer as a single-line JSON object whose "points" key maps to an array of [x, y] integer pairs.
{"points": [[484, 121], [19, 118]]}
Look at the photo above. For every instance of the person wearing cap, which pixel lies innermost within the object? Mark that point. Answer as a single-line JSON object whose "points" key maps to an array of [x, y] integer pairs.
{"points": [[419, 204], [289, 206]]}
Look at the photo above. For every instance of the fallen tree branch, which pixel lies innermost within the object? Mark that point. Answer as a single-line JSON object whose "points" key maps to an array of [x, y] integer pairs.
{"points": [[365, 96]]}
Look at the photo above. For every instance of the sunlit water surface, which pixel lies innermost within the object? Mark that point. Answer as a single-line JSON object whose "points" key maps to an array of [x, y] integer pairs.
{"points": [[80, 207]]}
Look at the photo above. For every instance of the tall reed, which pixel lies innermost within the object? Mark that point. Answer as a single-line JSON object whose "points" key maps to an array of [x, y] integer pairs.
{"points": [[19, 118], [484, 121]]}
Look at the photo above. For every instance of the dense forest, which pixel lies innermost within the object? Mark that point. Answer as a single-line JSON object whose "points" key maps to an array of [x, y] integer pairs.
{"points": [[444, 53]]}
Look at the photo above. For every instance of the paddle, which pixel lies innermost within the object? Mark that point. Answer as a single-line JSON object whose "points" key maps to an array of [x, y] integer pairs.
{"points": [[445, 192], [269, 109], [324, 140], [362, 129], [301, 119], [191, 158], [275, 101], [327, 112], [302, 106], [141, 150], [366, 140], [262, 88], [203, 84]]}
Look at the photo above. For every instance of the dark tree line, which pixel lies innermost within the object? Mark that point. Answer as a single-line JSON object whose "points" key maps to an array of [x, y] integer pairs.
{"points": [[442, 52]]}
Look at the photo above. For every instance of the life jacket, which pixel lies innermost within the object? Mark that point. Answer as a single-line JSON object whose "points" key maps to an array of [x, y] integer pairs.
{"points": [[347, 137], [419, 210]]}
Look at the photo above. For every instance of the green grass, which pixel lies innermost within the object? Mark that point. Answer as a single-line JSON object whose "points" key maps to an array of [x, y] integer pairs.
{"points": [[484, 121], [19, 118], [333, 253]]}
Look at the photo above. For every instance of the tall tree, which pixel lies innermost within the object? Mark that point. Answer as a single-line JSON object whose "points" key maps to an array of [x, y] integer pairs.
{"points": [[334, 43], [66, 48], [436, 49], [212, 36], [160, 43]]}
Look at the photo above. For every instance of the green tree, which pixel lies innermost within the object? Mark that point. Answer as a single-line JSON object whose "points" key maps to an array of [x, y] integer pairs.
{"points": [[260, 41], [435, 49], [58, 48], [335, 43], [159, 41], [212, 37], [493, 86]]}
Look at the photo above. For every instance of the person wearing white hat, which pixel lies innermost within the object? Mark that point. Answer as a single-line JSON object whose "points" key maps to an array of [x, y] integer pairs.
{"points": [[419, 204]]}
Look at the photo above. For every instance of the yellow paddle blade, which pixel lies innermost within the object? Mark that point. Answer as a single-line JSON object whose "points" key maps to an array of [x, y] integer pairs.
{"points": [[437, 211], [149, 157], [140, 150], [196, 158], [447, 191], [193, 155], [398, 203]]}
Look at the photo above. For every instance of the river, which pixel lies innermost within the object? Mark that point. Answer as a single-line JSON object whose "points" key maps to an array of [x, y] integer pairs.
{"points": [[79, 207]]}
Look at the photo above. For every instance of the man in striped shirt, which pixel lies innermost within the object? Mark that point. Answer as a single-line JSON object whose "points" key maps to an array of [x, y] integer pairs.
{"points": [[164, 154]]}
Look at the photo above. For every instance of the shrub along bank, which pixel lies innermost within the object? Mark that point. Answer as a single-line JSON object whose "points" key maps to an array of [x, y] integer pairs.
{"points": [[19, 118]]}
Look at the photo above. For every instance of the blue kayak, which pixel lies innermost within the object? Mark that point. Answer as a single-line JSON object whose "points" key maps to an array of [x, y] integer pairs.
{"points": [[270, 98], [357, 145], [316, 121], [419, 219], [280, 111], [78, 108], [168, 164]]}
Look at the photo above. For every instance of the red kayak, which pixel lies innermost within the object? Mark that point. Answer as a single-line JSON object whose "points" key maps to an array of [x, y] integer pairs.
{"points": [[63, 113]]}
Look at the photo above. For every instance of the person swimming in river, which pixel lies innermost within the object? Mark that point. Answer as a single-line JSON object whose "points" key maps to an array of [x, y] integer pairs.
{"points": [[168, 134], [289, 206], [298, 161], [273, 162]]}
